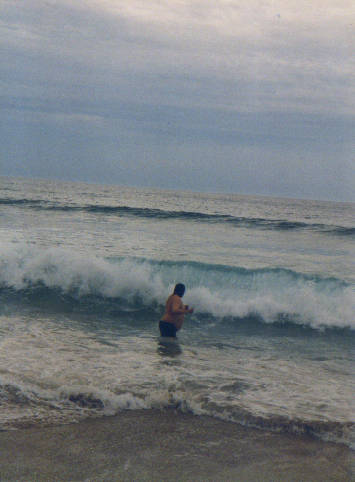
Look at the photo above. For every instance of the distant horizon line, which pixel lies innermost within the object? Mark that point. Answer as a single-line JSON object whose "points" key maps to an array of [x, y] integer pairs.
{"points": [[197, 191]]}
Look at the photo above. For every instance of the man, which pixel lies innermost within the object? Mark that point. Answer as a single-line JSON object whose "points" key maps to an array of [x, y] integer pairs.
{"points": [[175, 312]]}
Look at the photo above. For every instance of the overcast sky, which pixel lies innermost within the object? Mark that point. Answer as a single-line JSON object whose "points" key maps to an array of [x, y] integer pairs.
{"points": [[244, 96]]}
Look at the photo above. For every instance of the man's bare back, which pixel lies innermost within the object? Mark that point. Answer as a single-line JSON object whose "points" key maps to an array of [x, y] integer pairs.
{"points": [[175, 310]]}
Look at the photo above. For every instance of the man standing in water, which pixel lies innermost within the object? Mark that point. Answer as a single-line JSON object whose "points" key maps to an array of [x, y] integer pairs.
{"points": [[175, 312]]}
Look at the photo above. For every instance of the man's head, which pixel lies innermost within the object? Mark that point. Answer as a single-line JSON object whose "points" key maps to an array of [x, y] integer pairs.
{"points": [[179, 290]]}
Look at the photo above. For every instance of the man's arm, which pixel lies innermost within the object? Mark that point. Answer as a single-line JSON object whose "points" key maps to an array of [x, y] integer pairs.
{"points": [[177, 306]]}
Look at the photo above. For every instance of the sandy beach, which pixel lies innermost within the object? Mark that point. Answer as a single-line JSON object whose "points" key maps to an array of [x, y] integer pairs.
{"points": [[167, 445]]}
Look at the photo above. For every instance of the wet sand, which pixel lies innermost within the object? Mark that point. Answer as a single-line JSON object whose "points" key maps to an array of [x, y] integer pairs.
{"points": [[167, 445]]}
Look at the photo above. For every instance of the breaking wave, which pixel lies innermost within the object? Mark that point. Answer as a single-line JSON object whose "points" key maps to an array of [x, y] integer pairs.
{"points": [[220, 292], [72, 403]]}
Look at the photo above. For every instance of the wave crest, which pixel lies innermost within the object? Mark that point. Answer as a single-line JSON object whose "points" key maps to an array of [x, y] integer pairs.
{"points": [[75, 402], [161, 214], [269, 294]]}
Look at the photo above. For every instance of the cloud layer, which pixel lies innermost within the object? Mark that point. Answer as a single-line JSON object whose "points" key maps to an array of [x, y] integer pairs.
{"points": [[230, 95]]}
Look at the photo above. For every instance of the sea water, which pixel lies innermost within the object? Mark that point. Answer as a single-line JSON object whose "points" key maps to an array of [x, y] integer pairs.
{"points": [[84, 274]]}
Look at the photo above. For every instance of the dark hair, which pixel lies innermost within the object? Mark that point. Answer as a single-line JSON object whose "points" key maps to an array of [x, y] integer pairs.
{"points": [[179, 290]]}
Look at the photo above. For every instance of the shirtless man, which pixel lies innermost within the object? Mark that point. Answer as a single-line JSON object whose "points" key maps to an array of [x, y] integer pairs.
{"points": [[175, 312]]}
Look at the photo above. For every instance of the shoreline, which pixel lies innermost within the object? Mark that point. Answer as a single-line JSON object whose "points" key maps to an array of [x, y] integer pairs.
{"points": [[167, 445]]}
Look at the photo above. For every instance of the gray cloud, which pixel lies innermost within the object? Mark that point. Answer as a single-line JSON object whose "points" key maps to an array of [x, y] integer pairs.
{"points": [[125, 91]]}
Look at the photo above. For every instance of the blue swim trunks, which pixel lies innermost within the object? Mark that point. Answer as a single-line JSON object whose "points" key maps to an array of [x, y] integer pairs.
{"points": [[167, 329]]}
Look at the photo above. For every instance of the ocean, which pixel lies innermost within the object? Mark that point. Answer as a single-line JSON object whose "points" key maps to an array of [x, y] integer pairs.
{"points": [[84, 274]]}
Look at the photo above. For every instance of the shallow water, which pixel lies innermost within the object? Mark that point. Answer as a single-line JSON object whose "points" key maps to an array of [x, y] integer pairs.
{"points": [[84, 274]]}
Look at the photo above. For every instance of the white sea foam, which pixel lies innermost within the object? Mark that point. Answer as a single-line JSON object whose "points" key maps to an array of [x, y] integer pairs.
{"points": [[52, 372], [59, 268], [78, 313], [272, 295]]}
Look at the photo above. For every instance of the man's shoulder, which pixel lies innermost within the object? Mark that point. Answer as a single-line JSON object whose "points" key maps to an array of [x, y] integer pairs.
{"points": [[174, 298]]}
